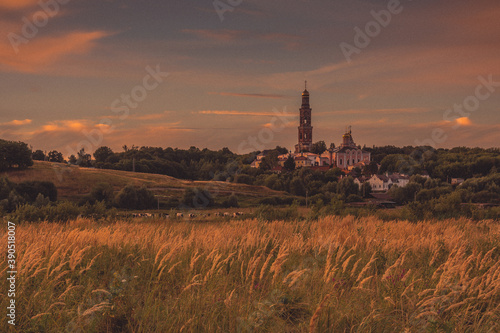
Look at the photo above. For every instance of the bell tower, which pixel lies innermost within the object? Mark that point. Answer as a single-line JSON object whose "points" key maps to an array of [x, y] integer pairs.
{"points": [[305, 128]]}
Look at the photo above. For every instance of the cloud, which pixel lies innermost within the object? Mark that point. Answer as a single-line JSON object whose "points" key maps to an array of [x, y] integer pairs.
{"points": [[17, 4], [17, 122], [464, 121], [42, 52], [65, 125]]}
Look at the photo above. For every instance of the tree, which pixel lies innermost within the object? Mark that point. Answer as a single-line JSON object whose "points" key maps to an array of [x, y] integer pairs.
{"points": [[281, 150], [131, 198], [102, 192], [244, 179], [197, 198], [289, 164], [38, 155], [297, 187], [365, 190], [55, 156], [14, 154], [347, 186], [102, 154], [318, 147], [72, 160], [370, 169], [83, 158], [126, 198], [31, 188], [232, 201], [145, 198], [269, 161]]}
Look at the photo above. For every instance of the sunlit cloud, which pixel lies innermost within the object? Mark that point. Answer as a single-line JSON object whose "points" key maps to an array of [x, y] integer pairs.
{"points": [[39, 54], [17, 4], [65, 125], [17, 122], [464, 121]]}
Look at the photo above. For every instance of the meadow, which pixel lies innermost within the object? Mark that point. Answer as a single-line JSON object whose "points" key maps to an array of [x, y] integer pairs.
{"points": [[335, 274]]}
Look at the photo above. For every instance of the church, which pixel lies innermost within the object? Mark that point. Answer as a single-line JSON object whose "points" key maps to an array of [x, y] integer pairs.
{"points": [[346, 156]]}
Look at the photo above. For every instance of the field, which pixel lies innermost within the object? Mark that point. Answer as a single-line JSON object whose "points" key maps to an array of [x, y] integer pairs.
{"points": [[331, 275], [73, 182]]}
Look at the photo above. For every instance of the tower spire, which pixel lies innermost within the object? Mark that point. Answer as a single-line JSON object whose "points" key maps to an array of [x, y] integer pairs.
{"points": [[305, 128]]}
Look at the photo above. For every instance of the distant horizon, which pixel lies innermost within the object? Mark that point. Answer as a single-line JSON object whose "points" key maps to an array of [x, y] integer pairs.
{"points": [[120, 150]]}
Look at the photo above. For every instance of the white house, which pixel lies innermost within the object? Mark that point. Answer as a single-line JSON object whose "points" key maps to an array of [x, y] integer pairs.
{"points": [[385, 182]]}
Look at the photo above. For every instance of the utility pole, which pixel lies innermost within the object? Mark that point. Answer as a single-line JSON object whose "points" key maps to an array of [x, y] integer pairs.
{"points": [[306, 197], [133, 164]]}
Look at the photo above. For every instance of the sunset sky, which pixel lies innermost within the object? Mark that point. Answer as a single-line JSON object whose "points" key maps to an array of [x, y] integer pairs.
{"points": [[61, 86]]}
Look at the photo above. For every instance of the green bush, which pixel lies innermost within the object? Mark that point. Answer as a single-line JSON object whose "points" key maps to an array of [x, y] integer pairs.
{"points": [[60, 212], [31, 188], [232, 201], [131, 198]]}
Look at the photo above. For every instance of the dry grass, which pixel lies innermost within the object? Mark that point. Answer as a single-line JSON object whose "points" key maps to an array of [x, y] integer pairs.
{"points": [[335, 274], [73, 182]]}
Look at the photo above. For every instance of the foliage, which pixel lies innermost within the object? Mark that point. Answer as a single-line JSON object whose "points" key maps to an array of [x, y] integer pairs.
{"points": [[289, 164], [197, 198], [55, 156], [102, 154], [318, 147], [60, 212], [347, 186], [131, 198], [38, 155], [232, 201], [14, 155], [30, 190], [101, 192], [13, 195]]}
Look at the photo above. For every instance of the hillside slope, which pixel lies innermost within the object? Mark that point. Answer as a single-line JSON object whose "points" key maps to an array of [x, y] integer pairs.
{"points": [[73, 182]]}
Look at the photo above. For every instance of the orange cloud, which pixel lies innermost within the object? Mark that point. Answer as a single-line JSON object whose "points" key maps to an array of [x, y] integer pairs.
{"points": [[65, 125], [41, 52], [464, 121], [17, 122], [17, 4]]}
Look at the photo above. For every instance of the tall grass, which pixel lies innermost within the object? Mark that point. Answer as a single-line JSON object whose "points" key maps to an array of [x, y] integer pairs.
{"points": [[335, 274]]}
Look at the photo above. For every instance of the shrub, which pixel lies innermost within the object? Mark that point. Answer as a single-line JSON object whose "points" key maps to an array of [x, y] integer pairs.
{"points": [[232, 201], [197, 198], [130, 198], [60, 212], [30, 190]]}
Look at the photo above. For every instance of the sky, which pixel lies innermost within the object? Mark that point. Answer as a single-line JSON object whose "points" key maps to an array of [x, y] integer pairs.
{"points": [[229, 73]]}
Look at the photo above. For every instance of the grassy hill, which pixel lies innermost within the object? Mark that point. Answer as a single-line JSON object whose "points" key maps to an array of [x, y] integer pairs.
{"points": [[73, 182]]}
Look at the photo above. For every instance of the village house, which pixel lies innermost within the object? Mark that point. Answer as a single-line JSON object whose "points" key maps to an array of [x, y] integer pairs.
{"points": [[382, 183]]}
